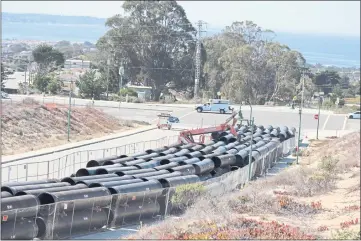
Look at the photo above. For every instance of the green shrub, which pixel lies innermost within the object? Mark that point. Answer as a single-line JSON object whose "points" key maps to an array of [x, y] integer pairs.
{"points": [[328, 104], [127, 91], [185, 195]]}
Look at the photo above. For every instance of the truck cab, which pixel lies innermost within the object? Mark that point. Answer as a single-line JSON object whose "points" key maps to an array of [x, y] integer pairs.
{"points": [[215, 105]]}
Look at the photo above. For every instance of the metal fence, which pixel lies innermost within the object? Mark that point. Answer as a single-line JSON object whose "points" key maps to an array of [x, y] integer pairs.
{"points": [[70, 163], [69, 219]]}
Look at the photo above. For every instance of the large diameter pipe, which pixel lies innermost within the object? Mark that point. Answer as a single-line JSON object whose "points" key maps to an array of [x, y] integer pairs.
{"points": [[138, 154], [167, 166], [23, 183], [204, 166], [149, 189], [257, 139], [110, 169], [156, 150], [171, 174], [189, 161], [132, 212], [133, 172], [69, 225], [206, 150], [177, 181], [148, 156], [174, 159], [89, 171], [220, 150], [197, 147], [74, 180], [112, 179], [100, 161], [118, 161], [232, 151], [65, 200], [163, 157], [150, 164], [185, 170], [21, 229], [218, 144], [193, 154], [114, 183], [19, 207], [228, 138], [224, 160], [14, 189], [135, 162], [187, 146], [37, 192], [263, 150], [182, 152], [169, 151], [175, 145], [149, 174], [208, 156], [6, 194]]}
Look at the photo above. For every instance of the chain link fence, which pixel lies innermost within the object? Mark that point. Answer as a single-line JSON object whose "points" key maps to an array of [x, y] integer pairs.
{"points": [[86, 215], [69, 164]]}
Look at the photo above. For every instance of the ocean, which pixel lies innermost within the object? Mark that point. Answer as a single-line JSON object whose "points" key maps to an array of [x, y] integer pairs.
{"points": [[323, 49]]}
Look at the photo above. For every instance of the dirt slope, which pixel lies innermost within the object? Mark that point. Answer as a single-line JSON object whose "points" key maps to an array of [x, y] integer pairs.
{"points": [[27, 127]]}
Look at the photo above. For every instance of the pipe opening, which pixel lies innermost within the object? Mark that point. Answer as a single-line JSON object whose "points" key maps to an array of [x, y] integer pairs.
{"points": [[92, 163], [40, 222], [150, 151], [164, 182], [22, 193], [164, 162], [107, 163], [170, 170], [201, 158], [217, 161], [46, 198], [95, 185], [234, 168], [82, 172], [112, 191], [68, 180], [7, 189], [101, 171], [123, 156]]}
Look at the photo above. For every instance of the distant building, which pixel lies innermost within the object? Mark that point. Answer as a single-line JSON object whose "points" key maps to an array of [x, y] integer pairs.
{"points": [[144, 92], [13, 81], [76, 64], [24, 55]]}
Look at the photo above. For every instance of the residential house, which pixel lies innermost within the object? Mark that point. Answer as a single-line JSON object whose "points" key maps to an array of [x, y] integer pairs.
{"points": [[76, 64]]}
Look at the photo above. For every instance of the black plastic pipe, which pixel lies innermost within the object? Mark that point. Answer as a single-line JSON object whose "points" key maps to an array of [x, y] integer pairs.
{"points": [[208, 156], [207, 150], [19, 207], [37, 192], [6, 194], [148, 156], [263, 150], [182, 152], [138, 189], [135, 162], [197, 147], [218, 144], [89, 171], [224, 160], [229, 138], [110, 169], [193, 154], [118, 161], [14, 189], [133, 172], [73, 180], [185, 170], [174, 159], [189, 161], [167, 166], [114, 183], [156, 150], [220, 150], [232, 151], [171, 174], [204, 166], [138, 154], [23, 183], [177, 181], [112, 179], [149, 174], [65, 200], [21, 229], [187, 146], [169, 151], [100, 161], [150, 164]]}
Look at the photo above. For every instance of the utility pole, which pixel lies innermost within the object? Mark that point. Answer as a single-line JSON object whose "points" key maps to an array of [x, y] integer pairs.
{"points": [[200, 24], [69, 109], [108, 63], [251, 119], [300, 113], [319, 111]]}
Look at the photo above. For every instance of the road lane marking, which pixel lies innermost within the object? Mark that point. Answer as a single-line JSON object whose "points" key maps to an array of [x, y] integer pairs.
{"points": [[344, 123], [324, 124]]}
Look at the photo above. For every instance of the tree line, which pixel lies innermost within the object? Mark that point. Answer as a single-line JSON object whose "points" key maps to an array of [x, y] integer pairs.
{"points": [[156, 44]]}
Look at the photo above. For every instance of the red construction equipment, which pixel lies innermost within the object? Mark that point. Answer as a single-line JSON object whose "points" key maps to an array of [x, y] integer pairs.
{"points": [[187, 135]]}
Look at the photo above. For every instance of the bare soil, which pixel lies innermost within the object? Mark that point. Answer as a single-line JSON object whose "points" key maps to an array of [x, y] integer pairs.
{"points": [[28, 126]]}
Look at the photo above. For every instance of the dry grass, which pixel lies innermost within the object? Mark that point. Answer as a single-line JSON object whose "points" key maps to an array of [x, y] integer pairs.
{"points": [[29, 126], [320, 197]]}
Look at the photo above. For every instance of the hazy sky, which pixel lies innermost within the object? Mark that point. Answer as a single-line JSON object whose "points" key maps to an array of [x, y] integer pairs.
{"points": [[323, 17]]}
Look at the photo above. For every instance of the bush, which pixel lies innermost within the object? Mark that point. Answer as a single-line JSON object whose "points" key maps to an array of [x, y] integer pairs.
{"points": [[185, 195], [328, 104], [127, 91]]}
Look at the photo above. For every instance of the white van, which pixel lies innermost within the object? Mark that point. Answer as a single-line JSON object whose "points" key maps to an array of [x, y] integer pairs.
{"points": [[215, 105]]}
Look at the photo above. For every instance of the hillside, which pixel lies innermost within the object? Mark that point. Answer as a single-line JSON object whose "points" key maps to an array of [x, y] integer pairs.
{"points": [[27, 127]]}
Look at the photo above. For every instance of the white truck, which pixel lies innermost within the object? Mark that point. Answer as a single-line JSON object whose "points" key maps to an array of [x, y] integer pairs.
{"points": [[215, 105]]}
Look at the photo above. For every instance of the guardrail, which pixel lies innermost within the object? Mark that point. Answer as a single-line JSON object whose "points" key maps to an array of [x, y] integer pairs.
{"points": [[68, 164], [67, 220]]}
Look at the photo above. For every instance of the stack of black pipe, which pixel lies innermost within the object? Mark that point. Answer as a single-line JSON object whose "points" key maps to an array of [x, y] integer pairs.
{"points": [[127, 187]]}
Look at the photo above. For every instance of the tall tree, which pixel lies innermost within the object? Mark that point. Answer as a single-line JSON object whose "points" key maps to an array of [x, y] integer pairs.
{"points": [[326, 80], [156, 40], [91, 85], [47, 58]]}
